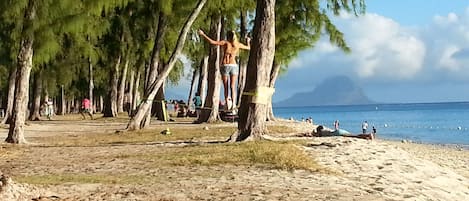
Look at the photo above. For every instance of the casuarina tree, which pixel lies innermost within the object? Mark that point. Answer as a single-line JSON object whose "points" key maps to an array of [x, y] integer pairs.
{"points": [[40, 24]]}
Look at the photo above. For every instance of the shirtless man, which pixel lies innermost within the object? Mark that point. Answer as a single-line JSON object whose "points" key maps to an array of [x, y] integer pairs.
{"points": [[229, 67]]}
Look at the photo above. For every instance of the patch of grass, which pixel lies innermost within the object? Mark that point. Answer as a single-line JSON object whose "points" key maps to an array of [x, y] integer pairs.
{"points": [[153, 135], [53, 179], [178, 133], [275, 155]]}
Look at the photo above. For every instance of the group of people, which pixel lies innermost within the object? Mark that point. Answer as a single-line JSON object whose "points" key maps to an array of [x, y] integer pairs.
{"points": [[48, 108], [365, 128], [322, 131], [307, 120]]}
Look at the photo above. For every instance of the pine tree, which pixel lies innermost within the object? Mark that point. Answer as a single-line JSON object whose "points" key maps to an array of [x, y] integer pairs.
{"points": [[47, 20], [306, 22], [137, 120], [253, 112]]}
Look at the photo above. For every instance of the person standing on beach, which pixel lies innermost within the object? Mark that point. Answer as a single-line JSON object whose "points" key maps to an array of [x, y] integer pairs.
{"points": [[373, 134], [364, 126], [336, 124], [86, 108], [230, 67], [49, 106]]}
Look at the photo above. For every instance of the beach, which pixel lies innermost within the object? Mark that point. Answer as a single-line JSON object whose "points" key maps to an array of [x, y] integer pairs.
{"points": [[353, 169]]}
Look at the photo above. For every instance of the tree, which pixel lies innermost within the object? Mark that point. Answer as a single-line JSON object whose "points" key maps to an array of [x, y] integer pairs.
{"points": [[48, 20], [223, 15], [252, 112], [210, 111], [25, 64], [256, 97], [37, 91], [136, 122], [9, 34], [306, 22]]}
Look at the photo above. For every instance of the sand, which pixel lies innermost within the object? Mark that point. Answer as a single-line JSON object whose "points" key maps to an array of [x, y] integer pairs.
{"points": [[361, 170]]}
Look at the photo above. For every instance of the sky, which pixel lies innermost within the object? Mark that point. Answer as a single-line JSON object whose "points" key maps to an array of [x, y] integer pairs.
{"points": [[403, 51]]}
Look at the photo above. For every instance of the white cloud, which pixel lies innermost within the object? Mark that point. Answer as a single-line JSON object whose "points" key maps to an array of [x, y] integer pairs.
{"points": [[386, 53], [381, 48], [447, 61], [448, 41], [446, 20], [389, 57]]}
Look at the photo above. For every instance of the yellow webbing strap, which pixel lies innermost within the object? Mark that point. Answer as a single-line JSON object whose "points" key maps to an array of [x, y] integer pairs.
{"points": [[163, 105], [262, 95]]}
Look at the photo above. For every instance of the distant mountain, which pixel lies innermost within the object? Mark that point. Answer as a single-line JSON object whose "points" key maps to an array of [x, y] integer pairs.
{"points": [[339, 90]]}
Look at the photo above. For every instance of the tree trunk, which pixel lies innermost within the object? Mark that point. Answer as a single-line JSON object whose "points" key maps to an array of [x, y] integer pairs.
{"points": [[158, 105], [101, 104], [37, 91], [11, 96], [210, 111], [72, 104], [69, 106], [273, 79], [121, 92], [154, 64], [252, 113], [158, 102], [241, 79], [25, 64], [135, 122], [131, 91], [91, 86], [110, 109], [243, 62], [62, 101], [191, 91], [135, 92], [202, 88]]}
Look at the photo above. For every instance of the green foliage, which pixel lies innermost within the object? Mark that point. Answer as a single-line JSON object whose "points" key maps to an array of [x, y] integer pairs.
{"points": [[3, 82], [306, 22], [356, 6], [69, 34]]}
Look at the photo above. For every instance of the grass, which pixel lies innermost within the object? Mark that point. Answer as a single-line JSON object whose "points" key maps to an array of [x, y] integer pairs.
{"points": [[143, 136], [263, 155], [275, 155], [189, 134], [260, 154]]}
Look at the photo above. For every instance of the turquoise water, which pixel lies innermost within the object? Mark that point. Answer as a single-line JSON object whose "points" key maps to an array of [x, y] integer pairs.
{"points": [[435, 123]]}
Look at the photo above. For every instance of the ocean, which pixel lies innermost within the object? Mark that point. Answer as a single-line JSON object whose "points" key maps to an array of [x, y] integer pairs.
{"points": [[430, 123]]}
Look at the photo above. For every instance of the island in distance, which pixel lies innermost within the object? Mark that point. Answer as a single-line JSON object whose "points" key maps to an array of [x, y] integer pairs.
{"points": [[338, 90]]}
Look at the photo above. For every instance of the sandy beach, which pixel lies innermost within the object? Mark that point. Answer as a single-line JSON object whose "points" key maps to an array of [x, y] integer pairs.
{"points": [[357, 169]]}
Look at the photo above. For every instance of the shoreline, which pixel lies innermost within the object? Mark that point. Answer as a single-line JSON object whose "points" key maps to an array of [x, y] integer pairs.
{"points": [[458, 147], [444, 145]]}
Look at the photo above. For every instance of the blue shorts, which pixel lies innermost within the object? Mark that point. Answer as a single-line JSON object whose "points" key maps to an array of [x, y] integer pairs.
{"points": [[230, 69]]}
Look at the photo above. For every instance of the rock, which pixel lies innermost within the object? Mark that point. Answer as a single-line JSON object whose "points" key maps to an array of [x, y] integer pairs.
{"points": [[9, 190], [5, 182], [206, 128]]}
